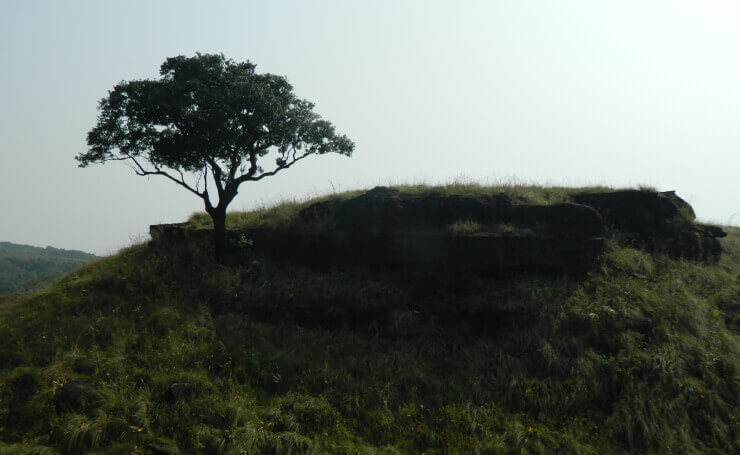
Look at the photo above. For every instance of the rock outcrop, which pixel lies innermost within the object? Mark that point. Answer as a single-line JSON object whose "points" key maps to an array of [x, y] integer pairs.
{"points": [[385, 228], [656, 222], [385, 209]]}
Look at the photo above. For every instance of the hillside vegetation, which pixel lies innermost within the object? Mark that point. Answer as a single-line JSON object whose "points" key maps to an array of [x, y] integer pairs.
{"points": [[640, 356], [23, 264]]}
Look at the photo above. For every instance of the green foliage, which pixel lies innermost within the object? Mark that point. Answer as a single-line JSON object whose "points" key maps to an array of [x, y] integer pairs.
{"points": [[209, 124], [637, 357], [208, 109]]}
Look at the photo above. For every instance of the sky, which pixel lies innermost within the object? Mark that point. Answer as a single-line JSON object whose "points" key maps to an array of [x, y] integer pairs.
{"points": [[569, 93]]}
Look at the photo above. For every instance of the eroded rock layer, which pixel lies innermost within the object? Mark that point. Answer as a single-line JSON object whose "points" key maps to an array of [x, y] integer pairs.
{"points": [[386, 228]]}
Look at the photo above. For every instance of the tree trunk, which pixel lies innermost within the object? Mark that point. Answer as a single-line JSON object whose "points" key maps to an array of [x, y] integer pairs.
{"points": [[218, 215]]}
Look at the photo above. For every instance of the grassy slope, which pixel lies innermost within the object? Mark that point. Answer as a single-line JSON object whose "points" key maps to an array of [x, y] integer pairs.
{"points": [[637, 357]]}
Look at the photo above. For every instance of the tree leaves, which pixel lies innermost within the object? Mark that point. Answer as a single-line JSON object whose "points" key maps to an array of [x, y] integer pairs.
{"points": [[207, 122], [208, 115]]}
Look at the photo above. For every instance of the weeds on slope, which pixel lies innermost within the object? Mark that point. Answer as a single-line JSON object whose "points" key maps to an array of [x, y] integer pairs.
{"points": [[282, 359]]}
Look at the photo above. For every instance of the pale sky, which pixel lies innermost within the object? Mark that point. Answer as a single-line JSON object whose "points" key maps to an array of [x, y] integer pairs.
{"points": [[567, 92]]}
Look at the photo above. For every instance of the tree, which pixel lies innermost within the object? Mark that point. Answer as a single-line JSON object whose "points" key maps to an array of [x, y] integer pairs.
{"points": [[209, 124]]}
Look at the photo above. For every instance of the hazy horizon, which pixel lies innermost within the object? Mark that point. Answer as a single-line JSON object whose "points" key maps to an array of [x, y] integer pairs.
{"points": [[569, 93]]}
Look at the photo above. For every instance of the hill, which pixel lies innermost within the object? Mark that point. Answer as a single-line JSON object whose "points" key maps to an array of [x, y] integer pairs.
{"points": [[157, 350], [23, 264]]}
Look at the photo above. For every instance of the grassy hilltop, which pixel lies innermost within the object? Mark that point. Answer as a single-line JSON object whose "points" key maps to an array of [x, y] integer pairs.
{"points": [[641, 356]]}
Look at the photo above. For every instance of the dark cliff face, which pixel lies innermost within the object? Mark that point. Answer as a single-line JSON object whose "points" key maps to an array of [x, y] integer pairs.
{"points": [[389, 229], [385, 209]]}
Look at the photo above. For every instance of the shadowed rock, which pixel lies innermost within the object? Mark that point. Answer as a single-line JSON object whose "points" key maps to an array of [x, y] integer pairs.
{"points": [[385, 228], [632, 210], [656, 222], [386, 209]]}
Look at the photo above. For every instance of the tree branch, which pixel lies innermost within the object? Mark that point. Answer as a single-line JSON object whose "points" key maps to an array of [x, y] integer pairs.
{"points": [[252, 164], [206, 197], [140, 170], [217, 174], [252, 178], [234, 165]]}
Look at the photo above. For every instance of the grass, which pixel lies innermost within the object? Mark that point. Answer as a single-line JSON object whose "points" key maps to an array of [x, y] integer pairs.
{"points": [[465, 227], [731, 245], [636, 358]]}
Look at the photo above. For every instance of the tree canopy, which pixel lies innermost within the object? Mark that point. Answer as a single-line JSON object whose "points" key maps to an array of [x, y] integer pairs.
{"points": [[209, 124]]}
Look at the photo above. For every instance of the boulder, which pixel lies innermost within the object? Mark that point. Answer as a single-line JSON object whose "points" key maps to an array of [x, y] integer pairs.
{"points": [[75, 396]]}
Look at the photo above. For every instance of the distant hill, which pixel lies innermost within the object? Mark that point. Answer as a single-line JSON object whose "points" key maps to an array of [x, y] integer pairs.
{"points": [[21, 265]]}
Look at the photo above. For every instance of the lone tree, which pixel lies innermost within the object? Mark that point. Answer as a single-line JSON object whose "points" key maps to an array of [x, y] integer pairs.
{"points": [[209, 124]]}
